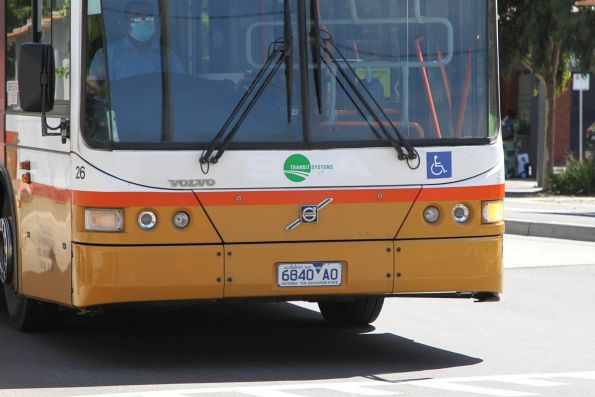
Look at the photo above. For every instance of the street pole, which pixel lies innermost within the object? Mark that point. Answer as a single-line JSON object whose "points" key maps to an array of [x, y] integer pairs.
{"points": [[580, 125], [580, 83]]}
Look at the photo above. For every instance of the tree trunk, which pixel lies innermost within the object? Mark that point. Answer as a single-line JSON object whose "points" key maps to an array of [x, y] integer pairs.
{"points": [[550, 81], [550, 130]]}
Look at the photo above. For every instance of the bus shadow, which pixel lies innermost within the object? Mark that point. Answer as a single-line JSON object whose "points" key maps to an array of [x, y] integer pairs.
{"points": [[217, 343]]}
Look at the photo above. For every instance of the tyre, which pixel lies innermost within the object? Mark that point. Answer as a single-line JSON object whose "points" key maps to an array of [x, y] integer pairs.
{"points": [[6, 250], [359, 311], [27, 314]]}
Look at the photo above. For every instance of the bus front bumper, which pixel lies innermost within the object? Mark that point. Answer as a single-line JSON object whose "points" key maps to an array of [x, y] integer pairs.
{"points": [[121, 274]]}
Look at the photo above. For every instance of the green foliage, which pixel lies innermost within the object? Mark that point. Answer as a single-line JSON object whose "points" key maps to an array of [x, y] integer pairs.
{"points": [[63, 72], [17, 13], [578, 179], [551, 39], [524, 127], [548, 37]]}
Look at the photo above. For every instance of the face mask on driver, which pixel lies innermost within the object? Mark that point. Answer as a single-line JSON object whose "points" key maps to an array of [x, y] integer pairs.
{"points": [[142, 31]]}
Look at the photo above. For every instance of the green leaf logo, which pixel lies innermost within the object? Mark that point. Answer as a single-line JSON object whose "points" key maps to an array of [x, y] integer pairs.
{"points": [[297, 168]]}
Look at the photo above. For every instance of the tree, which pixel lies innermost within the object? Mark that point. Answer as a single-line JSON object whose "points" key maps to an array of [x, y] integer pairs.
{"points": [[550, 38]]}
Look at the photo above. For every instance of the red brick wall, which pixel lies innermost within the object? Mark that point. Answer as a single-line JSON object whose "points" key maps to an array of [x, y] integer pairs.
{"points": [[562, 132], [509, 92]]}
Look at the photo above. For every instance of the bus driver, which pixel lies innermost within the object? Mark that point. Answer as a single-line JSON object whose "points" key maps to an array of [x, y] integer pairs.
{"points": [[139, 51]]}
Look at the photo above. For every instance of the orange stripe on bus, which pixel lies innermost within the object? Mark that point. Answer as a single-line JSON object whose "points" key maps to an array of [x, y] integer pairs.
{"points": [[248, 198], [134, 199], [490, 192], [12, 137], [50, 192]]}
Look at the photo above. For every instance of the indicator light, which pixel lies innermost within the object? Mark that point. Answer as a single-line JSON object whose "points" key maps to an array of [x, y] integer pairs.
{"points": [[104, 219], [492, 211]]}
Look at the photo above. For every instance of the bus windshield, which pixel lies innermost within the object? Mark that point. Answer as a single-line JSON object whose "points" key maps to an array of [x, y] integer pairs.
{"points": [[172, 73]]}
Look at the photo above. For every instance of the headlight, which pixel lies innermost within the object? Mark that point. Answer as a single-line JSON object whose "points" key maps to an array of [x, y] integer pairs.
{"points": [[104, 220], [492, 211], [460, 213], [147, 220], [431, 214], [181, 220]]}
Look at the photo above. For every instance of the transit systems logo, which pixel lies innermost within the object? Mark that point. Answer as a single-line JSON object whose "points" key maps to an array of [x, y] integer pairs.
{"points": [[297, 168]]}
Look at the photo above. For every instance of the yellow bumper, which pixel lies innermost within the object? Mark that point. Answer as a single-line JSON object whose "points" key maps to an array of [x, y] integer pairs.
{"points": [[111, 274], [449, 265], [103, 275]]}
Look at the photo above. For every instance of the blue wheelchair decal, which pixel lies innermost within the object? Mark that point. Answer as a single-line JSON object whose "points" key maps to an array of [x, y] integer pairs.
{"points": [[439, 165]]}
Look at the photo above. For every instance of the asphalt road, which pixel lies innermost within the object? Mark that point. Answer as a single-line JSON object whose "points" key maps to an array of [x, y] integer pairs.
{"points": [[539, 340]]}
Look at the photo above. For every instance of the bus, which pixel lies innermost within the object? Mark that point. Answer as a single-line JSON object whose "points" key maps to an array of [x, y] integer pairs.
{"points": [[333, 151]]}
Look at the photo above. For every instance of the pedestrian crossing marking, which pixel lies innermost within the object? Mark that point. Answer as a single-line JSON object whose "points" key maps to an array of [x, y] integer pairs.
{"points": [[467, 386], [262, 392], [483, 391], [525, 381], [360, 391]]}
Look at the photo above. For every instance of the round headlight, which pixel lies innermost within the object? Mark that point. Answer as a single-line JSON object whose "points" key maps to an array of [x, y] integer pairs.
{"points": [[460, 213], [431, 214], [147, 220], [181, 220]]}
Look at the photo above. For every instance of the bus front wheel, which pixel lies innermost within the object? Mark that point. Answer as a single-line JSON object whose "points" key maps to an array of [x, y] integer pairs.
{"points": [[28, 314], [354, 312]]}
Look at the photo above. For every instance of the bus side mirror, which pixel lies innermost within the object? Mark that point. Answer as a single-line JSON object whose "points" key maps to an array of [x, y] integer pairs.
{"points": [[37, 77], [37, 86]]}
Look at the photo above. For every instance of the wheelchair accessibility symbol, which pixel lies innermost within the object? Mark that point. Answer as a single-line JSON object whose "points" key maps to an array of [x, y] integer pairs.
{"points": [[439, 165]]}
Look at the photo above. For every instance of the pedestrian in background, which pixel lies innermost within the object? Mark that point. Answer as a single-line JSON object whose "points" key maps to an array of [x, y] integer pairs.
{"points": [[509, 142]]}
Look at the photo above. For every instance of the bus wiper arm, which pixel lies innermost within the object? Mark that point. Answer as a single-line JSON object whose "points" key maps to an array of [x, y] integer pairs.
{"points": [[280, 51], [315, 46], [288, 56], [349, 75]]}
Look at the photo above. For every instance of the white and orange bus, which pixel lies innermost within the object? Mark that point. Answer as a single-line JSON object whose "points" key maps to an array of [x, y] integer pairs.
{"points": [[333, 151]]}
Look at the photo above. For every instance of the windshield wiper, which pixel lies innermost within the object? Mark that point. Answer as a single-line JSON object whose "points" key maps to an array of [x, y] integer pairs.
{"points": [[346, 71], [288, 39], [280, 51], [317, 61], [315, 46]]}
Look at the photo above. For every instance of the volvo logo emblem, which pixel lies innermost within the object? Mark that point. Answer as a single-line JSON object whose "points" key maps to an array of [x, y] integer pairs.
{"points": [[308, 214]]}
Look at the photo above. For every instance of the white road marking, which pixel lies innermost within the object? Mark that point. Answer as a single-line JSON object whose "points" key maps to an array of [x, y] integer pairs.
{"points": [[525, 381], [262, 392], [582, 375], [280, 390], [347, 387], [484, 391], [467, 386]]}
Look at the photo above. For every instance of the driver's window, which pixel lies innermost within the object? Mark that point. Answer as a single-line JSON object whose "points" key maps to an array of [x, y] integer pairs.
{"points": [[55, 30], [51, 27], [18, 31]]}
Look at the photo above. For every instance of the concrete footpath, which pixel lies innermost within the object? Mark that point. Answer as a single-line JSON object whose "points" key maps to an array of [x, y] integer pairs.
{"points": [[529, 212]]}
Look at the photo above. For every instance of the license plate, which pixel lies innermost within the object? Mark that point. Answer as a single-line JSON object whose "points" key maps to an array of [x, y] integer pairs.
{"points": [[311, 274]]}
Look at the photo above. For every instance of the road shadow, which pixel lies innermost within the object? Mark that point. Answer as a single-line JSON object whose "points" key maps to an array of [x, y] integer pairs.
{"points": [[230, 342]]}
